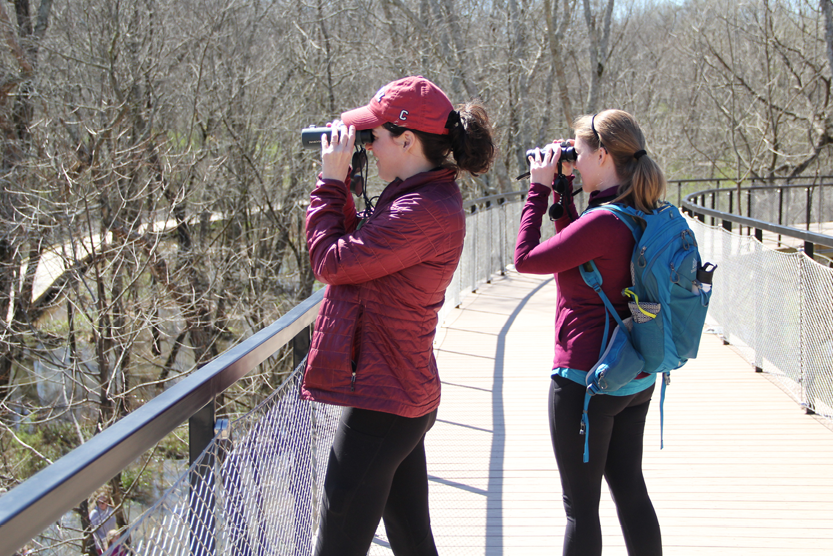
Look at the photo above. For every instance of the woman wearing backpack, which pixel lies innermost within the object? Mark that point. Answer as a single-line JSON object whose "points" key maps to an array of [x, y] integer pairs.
{"points": [[614, 167], [386, 276]]}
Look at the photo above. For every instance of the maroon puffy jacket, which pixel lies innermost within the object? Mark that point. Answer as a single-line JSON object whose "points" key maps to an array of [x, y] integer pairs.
{"points": [[372, 345]]}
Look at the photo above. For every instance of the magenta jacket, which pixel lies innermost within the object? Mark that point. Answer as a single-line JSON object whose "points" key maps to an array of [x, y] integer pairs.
{"points": [[373, 342], [580, 312]]}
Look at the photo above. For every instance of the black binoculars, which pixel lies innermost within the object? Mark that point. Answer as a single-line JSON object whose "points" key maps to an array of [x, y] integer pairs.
{"points": [[311, 136], [568, 153]]}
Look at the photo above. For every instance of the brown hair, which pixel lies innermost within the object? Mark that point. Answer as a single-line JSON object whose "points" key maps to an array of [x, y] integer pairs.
{"points": [[469, 140], [642, 180]]}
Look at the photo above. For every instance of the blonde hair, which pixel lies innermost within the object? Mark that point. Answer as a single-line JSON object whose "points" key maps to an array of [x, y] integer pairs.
{"points": [[104, 493], [642, 180], [112, 536]]}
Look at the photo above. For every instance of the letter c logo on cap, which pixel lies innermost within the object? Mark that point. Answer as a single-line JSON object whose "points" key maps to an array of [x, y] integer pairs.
{"points": [[403, 115]]}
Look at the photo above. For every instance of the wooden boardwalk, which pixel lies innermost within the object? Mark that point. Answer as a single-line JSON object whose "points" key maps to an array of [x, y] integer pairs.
{"points": [[744, 470]]}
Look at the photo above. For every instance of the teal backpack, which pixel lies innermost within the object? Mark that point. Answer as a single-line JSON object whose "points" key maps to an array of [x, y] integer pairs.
{"points": [[669, 301]]}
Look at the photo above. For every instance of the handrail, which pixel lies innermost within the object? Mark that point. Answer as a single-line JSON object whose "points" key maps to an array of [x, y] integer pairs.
{"points": [[787, 181], [29, 508], [789, 231], [809, 238]]}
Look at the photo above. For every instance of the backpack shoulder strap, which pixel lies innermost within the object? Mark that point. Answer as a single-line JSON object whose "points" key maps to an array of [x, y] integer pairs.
{"points": [[593, 278], [590, 273], [633, 219]]}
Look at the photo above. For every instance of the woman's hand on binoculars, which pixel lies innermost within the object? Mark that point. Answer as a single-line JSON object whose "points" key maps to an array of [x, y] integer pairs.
{"points": [[337, 151], [543, 165]]}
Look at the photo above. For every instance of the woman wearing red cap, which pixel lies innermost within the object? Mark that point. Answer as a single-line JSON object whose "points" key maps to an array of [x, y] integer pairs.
{"points": [[386, 276]]}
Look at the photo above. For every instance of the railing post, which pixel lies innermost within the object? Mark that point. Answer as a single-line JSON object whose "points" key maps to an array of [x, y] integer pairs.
{"points": [[300, 346], [301, 485], [502, 221], [714, 204], [805, 374], [490, 239], [201, 480], [727, 224], [759, 298], [476, 255], [780, 211]]}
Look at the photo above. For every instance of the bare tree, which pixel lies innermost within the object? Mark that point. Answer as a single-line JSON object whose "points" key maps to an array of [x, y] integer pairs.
{"points": [[762, 73], [517, 82], [598, 48], [21, 242]]}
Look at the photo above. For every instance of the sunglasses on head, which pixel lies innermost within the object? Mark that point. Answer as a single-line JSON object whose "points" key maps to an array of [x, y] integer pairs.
{"points": [[596, 133]]}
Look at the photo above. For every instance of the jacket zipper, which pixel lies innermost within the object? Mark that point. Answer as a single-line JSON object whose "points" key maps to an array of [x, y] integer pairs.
{"points": [[354, 363]]}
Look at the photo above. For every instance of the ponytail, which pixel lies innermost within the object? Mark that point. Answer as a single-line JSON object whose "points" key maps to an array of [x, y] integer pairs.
{"points": [[646, 185], [471, 138], [642, 182]]}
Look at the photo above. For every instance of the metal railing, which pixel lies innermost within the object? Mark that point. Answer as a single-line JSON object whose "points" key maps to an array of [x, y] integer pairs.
{"points": [[774, 305], [784, 207], [682, 188], [30, 508]]}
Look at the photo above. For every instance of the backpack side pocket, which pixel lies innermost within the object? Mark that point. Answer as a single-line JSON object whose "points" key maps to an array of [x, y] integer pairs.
{"points": [[618, 365], [687, 320]]}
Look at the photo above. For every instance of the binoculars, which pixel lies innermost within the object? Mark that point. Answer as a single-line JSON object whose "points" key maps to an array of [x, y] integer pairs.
{"points": [[568, 152], [311, 136]]}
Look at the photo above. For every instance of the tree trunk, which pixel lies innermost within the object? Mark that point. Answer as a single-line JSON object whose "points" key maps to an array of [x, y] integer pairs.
{"points": [[827, 10], [598, 51], [87, 543], [16, 132], [556, 28], [518, 83]]}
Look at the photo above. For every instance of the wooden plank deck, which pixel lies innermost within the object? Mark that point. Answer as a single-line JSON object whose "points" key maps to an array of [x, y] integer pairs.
{"points": [[744, 470]]}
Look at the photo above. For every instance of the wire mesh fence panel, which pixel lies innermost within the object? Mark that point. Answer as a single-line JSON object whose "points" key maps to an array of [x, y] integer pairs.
{"points": [[805, 207], [255, 490], [776, 308], [489, 247], [817, 324]]}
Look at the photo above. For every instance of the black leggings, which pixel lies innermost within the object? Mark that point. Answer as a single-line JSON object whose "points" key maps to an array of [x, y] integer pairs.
{"points": [[616, 427], [376, 470]]}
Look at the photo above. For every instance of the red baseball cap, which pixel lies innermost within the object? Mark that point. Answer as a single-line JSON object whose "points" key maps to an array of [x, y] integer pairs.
{"points": [[411, 102]]}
